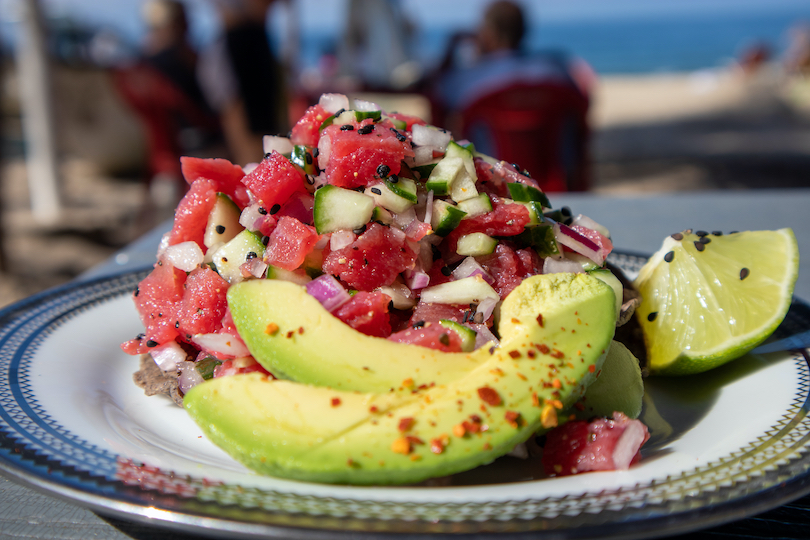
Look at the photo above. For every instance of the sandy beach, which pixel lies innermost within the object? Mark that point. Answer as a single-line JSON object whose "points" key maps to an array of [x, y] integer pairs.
{"points": [[668, 132]]}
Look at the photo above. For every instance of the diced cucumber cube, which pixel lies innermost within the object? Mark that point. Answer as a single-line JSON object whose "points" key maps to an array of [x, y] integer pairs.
{"points": [[456, 150], [476, 206], [423, 171], [296, 276], [404, 187], [445, 217], [523, 193], [362, 115], [338, 208], [475, 244], [382, 215], [466, 334], [618, 289], [304, 158], [227, 259], [541, 238], [444, 174], [384, 196], [223, 222], [464, 187], [463, 291]]}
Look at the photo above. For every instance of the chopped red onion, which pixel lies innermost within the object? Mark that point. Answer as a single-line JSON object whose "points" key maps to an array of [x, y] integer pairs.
{"points": [[185, 256], [332, 103], [469, 267], [483, 335], [251, 217], [561, 266], [416, 279], [324, 151], [168, 356], [400, 294], [584, 246], [403, 219], [486, 307], [587, 222], [328, 291], [629, 443], [429, 208], [421, 155], [189, 377], [221, 345], [340, 239], [282, 145], [254, 268]]}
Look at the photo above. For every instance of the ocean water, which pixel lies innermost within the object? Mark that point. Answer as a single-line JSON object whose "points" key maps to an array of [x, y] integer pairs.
{"points": [[627, 45]]}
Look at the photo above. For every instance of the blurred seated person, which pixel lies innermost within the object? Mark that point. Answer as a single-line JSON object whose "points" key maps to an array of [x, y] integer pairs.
{"points": [[244, 81], [529, 109], [161, 87]]}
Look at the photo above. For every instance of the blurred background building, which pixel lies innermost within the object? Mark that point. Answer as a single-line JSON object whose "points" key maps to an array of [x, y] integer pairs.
{"points": [[674, 95]]}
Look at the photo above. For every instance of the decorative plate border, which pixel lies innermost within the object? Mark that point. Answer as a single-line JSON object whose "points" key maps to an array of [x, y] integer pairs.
{"points": [[35, 449]]}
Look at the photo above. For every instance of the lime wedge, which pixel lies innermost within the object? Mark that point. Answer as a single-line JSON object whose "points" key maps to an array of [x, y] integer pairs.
{"points": [[710, 298]]}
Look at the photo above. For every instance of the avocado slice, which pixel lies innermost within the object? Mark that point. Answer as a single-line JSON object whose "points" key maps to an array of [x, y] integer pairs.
{"points": [[290, 333], [557, 329]]}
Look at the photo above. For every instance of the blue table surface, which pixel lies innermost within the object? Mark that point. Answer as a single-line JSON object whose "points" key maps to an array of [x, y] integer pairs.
{"points": [[637, 222]]}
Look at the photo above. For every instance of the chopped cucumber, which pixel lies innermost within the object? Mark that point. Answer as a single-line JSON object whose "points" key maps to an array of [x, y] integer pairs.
{"points": [[399, 124], [462, 291], [444, 174], [227, 259], [223, 222], [466, 334], [404, 187], [382, 215], [456, 150], [362, 115], [384, 196], [523, 193], [587, 264], [541, 238], [423, 171], [475, 244], [535, 211], [476, 205], [338, 208], [454, 175], [296, 276], [445, 218], [304, 158]]}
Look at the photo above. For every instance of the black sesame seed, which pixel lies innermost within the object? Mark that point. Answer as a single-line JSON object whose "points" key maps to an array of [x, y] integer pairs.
{"points": [[744, 273], [275, 208], [565, 211], [419, 324], [224, 259], [310, 179], [347, 127], [265, 240], [701, 233], [263, 210], [444, 339], [365, 130], [383, 170], [267, 155], [177, 324], [360, 230], [669, 256], [393, 179], [220, 229], [400, 136], [308, 158], [446, 270], [717, 233], [733, 232], [376, 191], [651, 317], [151, 343], [677, 236], [251, 255], [315, 152], [700, 246], [704, 240], [140, 336], [137, 291]]}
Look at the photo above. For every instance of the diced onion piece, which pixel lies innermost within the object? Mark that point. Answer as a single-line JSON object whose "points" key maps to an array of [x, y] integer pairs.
{"points": [[561, 266], [484, 336], [168, 356], [249, 167], [365, 106], [429, 207], [585, 221], [189, 377], [401, 296], [469, 267], [341, 238], [221, 345], [570, 238], [403, 219], [250, 217], [486, 307], [185, 256], [328, 291], [417, 279], [255, 267], [431, 137], [282, 145], [628, 445], [332, 103], [422, 155], [462, 291]]}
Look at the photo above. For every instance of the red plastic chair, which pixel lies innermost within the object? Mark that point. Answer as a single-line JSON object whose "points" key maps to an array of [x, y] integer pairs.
{"points": [[543, 128]]}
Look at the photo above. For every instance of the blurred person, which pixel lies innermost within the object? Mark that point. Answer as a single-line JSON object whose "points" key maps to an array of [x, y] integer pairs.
{"points": [[243, 79], [516, 105], [374, 52]]}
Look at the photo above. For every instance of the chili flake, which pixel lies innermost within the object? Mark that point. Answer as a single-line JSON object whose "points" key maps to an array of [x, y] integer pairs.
{"points": [[406, 423], [335, 401], [489, 395]]}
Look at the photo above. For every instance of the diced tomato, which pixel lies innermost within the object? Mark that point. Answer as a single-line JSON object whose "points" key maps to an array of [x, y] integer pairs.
{"points": [[274, 180], [354, 155], [367, 312], [604, 243], [191, 215], [299, 206], [507, 268], [373, 260], [307, 130], [439, 273], [600, 445], [204, 303], [290, 242], [505, 219], [157, 300], [492, 178], [431, 335], [226, 176]]}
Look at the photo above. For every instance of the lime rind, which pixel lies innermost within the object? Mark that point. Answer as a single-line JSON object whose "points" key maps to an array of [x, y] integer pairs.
{"points": [[697, 313]]}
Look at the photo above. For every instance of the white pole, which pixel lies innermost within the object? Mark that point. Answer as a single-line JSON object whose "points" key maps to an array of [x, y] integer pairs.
{"points": [[37, 115]]}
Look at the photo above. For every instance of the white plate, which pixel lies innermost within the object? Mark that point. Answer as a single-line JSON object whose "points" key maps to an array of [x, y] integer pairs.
{"points": [[724, 445]]}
